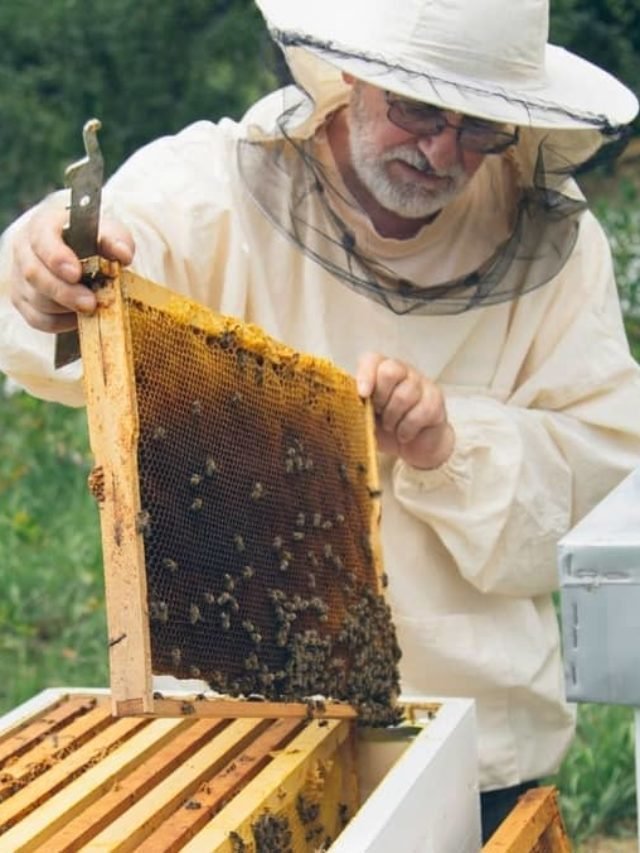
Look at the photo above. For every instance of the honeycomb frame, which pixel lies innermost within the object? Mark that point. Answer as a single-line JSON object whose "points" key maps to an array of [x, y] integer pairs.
{"points": [[135, 614]]}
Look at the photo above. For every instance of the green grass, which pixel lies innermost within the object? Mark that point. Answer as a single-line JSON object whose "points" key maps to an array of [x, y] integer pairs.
{"points": [[52, 624], [597, 778], [617, 205]]}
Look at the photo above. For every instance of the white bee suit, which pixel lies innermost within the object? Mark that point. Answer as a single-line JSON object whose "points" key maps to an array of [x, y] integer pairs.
{"points": [[541, 391]]}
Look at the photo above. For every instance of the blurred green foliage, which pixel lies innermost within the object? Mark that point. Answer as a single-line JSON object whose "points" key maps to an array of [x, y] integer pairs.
{"points": [[620, 215], [606, 32], [144, 68], [52, 620], [147, 68], [597, 779]]}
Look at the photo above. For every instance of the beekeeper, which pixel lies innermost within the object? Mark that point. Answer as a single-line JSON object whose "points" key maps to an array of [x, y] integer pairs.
{"points": [[408, 210]]}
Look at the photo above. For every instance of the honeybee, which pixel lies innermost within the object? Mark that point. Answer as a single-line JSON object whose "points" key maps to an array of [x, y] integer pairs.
{"points": [[143, 522], [257, 491], [159, 611]]}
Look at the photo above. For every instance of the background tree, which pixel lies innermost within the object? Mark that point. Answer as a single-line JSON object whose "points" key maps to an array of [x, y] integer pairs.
{"points": [[147, 68], [606, 32], [144, 68]]}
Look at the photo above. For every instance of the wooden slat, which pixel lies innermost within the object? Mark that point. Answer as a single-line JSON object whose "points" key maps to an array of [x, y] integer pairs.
{"points": [[373, 484], [212, 794], [133, 787], [277, 785], [51, 800], [22, 724], [237, 708], [523, 831], [130, 829], [113, 432], [52, 749], [53, 719]]}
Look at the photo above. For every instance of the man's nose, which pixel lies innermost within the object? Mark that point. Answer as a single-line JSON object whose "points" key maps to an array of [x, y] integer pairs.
{"points": [[441, 149]]}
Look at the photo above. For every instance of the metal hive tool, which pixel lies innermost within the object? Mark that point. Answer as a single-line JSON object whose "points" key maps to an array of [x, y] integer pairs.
{"points": [[239, 505]]}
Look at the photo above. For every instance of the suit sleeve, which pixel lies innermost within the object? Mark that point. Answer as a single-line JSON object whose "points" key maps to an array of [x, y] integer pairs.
{"points": [[174, 196], [526, 469]]}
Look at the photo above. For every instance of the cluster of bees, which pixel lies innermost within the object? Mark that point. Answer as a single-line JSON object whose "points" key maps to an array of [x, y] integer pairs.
{"points": [[272, 834], [255, 518]]}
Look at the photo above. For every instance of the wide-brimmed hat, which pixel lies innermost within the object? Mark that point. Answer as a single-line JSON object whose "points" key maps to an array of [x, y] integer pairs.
{"points": [[488, 58]]}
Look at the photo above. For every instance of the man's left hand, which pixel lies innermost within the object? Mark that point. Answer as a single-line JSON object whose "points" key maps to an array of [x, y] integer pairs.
{"points": [[411, 416]]}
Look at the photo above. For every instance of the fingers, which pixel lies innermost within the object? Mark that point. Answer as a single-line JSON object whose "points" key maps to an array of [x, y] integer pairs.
{"points": [[402, 398], [41, 251], [41, 312], [414, 409], [46, 288], [366, 373], [116, 242], [411, 418]]}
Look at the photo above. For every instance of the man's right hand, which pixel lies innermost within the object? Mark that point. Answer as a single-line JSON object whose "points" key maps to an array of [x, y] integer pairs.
{"points": [[45, 289]]}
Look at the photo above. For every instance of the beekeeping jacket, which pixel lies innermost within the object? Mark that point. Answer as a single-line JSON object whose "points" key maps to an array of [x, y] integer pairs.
{"points": [[541, 391]]}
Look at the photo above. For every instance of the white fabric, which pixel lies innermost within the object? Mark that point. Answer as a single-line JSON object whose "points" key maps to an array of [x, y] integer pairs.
{"points": [[542, 393]]}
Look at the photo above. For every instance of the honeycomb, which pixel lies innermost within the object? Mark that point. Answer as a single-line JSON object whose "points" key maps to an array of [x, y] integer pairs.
{"points": [[258, 515]]}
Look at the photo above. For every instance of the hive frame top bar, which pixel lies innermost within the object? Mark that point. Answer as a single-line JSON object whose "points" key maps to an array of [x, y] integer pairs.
{"points": [[114, 428]]}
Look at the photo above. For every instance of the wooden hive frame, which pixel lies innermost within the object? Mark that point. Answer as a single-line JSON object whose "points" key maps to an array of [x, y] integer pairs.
{"points": [[534, 826], [113, 429], [74, 777]]}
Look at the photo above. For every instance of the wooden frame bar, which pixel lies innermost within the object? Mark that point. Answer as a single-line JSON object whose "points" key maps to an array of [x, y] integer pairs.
{"points": [[534, 826], [113, 433]]}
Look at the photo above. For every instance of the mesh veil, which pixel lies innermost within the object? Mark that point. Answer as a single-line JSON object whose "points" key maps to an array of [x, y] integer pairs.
{"points": [[295, 190]]}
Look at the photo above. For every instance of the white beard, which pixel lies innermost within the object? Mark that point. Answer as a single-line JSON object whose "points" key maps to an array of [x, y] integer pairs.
{"points": [[407, 199]]}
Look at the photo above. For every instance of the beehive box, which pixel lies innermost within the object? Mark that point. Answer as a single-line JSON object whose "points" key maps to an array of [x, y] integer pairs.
{"points": [[599, 563], [73, 777], [239, 506]]}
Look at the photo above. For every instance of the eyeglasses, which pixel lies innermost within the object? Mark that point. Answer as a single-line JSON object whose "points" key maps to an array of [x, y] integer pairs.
{"points": [[418, 119]]}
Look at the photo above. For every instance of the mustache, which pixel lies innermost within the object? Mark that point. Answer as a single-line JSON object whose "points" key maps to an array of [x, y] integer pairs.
{"points": [[413, 157]]}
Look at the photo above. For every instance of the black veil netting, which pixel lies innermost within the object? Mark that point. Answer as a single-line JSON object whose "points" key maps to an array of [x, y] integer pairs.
{"points": [[293, 188]]}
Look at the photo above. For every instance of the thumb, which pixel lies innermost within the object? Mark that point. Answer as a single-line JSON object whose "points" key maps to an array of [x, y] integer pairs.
{"points": [[115, 242]]}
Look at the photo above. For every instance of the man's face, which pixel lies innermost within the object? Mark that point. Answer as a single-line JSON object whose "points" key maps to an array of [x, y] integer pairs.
{"points": [[411, 176]]}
